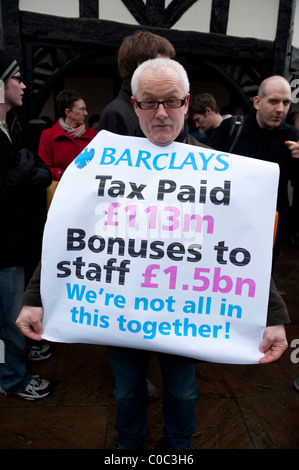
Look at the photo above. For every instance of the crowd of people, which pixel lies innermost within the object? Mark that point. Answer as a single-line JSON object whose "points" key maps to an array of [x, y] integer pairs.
{"points": [[143, 107]]}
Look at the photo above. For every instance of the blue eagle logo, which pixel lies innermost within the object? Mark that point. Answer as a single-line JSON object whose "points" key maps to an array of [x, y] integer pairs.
{"points": [[84, 158]]}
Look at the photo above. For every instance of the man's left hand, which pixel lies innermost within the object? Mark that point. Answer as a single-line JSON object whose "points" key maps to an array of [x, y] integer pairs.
{"points": [[273, 344]]}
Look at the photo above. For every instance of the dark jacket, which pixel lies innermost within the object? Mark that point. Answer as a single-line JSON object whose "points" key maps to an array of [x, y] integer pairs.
{"points": [[264, 145], [22, 200], [119, 116]]}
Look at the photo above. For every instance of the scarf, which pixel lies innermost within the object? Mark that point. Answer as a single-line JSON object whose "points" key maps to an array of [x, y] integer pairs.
{"points": [[73, 132]]}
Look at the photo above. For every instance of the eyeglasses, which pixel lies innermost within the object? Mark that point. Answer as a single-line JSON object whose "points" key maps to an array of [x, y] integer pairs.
{"points": [[19, 79], [172, 103]]}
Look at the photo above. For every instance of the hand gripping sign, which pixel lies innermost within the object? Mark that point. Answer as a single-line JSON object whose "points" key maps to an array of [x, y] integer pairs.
{"points": [[166, 249]]}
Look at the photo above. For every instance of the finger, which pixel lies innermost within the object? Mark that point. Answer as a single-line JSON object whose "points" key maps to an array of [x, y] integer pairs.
{"points": [[290, 142], [32, 330], [292, 145], [27, 330], [270, 356]]}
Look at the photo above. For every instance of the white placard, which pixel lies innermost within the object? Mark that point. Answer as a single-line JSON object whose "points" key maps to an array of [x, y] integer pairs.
{"points": [[166, 249]]}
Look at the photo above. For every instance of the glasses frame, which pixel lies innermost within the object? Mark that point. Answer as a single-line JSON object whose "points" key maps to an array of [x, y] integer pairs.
{"points": [[157, 102]]}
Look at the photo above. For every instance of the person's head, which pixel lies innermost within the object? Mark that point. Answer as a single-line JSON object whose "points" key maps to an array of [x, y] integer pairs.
{"points": [[293, 118], [204, 111], [13, 82], [71, 107], [139, 47], [272, 101], [160, 80], [93, 122]]}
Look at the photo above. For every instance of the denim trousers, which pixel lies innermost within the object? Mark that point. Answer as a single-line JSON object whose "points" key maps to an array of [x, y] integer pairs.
{"points": [[129, 368], [14, 375]]}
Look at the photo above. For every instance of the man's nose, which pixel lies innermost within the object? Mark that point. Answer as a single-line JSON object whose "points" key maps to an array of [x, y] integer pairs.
{"points": [[161, 111]]}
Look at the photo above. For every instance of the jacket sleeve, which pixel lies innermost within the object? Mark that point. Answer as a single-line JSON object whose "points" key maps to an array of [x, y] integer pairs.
{"points": [[45, 151], [32, 295], [13, 181], [114, 121], [277, 310]]}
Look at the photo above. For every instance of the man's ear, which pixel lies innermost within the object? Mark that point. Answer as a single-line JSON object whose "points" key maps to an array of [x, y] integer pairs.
{"points": [[257, 102], [186, 104], [134, 105]]}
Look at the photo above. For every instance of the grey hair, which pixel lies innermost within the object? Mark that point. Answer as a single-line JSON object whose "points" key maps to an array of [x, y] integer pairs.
{"points": [[158, 65]]}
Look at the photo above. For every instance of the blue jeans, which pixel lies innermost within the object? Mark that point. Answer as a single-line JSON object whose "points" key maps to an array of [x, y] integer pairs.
{"points": [[129, 368], [13, 372]]}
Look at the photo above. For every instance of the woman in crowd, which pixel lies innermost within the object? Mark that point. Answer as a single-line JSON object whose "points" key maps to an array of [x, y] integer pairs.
{"points": [[60, 144]]}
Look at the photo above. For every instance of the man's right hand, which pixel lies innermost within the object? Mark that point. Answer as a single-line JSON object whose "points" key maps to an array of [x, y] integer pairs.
{"points": [[29, 322]]}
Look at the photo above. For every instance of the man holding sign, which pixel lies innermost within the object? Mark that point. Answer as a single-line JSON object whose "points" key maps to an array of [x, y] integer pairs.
{"points": [[160, 90]]}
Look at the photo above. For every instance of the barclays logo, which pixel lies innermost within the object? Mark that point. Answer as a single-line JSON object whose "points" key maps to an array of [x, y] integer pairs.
{"points": [[84, 158]]}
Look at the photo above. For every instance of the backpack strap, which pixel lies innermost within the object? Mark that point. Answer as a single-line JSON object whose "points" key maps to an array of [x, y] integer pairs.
{"points": [[235, 130]]}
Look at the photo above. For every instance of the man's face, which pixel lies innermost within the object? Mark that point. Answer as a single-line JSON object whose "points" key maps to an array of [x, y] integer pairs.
{"points": [[14, 91], [202, 120], [161, 126], [273, 107]]}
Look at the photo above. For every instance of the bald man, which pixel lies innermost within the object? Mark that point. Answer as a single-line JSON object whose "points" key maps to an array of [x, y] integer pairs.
{"points": [[266, 136]]}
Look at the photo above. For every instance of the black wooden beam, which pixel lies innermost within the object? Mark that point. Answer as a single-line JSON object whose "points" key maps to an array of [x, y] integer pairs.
{"points": [[89, 8], [92, 32], [154, 13], [176, 9], [284, 33], [219, 16], [11, 29]]}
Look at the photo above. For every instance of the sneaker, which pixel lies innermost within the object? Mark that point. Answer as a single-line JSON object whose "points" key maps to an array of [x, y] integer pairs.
{"points": [[37, 388], [296, 384], [40, 352]]}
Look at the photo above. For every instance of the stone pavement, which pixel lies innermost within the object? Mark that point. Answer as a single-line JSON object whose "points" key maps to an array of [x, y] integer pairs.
{"points": [[239, 407]]}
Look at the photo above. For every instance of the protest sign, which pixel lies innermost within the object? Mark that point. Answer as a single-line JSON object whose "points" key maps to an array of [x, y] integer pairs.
{"points": [[166, 249]]}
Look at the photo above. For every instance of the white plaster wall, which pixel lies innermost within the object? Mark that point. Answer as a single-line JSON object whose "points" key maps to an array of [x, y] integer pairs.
{"points": [[254, 18], [295, 41], [115, 10], [64, 8], [247, 18], [197, 18]]}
